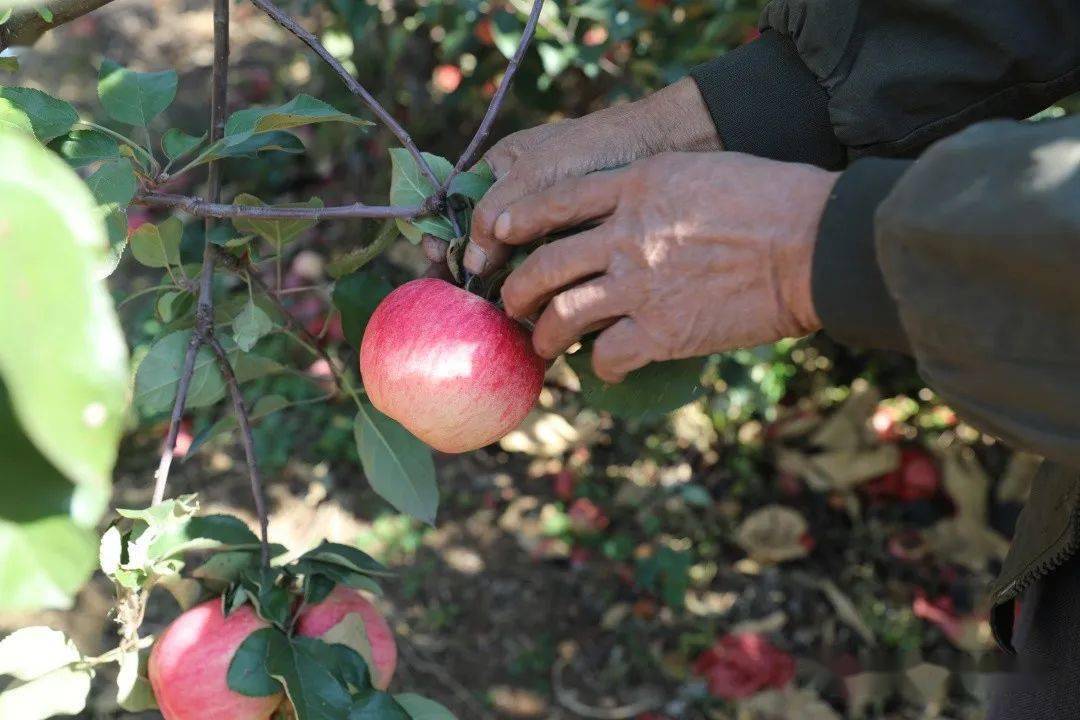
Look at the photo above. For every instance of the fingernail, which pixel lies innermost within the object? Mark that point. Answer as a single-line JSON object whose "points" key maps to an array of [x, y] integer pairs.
{"points": [[475, 258], [502, 226]]}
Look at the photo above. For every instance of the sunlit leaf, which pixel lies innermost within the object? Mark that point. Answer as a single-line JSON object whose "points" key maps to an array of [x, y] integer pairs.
{"points": [[408, 186], [301, 110], [397, 464], [49, 116]]}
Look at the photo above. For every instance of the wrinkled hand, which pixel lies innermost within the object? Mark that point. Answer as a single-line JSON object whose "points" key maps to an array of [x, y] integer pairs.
{"points": [[526, 162], [694, 253]]}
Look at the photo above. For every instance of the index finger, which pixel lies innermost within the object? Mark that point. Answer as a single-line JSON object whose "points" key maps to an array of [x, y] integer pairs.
{"points": [[566, 205]]}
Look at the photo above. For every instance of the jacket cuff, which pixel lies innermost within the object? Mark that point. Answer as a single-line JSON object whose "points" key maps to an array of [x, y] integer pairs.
{"points": [[764, 101], [847, 285]]}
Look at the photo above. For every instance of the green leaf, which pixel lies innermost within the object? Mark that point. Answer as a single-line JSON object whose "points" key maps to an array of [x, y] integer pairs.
{"points": [[13, 119], [303, 665], [176, 143], [301, 110], [315, 569], [132, 97], [653, 390], [34, 651], [61, 692], [247, 673], [409, 186], [159, 374], [377, 706], [83, 147], [49, 116], [113, 183], [116, 225], [46, 14], [251, 325], [249, 145], [249, 366], [265, 405], [70, 404], [158, 246], [356, 259], [471, 184], [420, 708], [133, 690], [317, 587], [224, 568], [276, 232], [9, 64], [356, 297], [347, 556], [397, 464], [5, 15]]}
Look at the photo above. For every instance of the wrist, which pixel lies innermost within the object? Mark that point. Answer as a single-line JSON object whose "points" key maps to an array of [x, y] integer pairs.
{"points": [[676, 119], [796, 270]]}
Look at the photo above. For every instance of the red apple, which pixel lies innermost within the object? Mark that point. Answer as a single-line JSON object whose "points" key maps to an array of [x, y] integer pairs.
{"points": [[374, 640], [449, 366], [190, 660]]}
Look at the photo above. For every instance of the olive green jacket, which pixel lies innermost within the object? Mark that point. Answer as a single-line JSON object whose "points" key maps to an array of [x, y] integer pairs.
{"points": [[967, 258]]}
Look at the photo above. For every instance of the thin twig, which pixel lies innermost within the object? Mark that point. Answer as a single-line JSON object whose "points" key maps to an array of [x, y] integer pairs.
{"points": [[209, 209], [354, 86], [204, 312], [247, 439], [499, 97]]}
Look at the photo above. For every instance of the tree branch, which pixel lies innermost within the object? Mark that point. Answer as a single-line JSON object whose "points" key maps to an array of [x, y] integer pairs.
{"points": [[208, 209], [351, 83], [248, 441], [26, 26], [204, 311], [499, 97]]}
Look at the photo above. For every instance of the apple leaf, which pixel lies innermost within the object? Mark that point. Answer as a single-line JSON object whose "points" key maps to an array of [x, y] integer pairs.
{"points": [[34, 651], [251, 325], [265, 405], [60, 692], [250, 144], [348, 557], [9, 64], [247, 672], [276, 232], [398, 465], [303, 665], [83, 147], [49, 117], [132, 97], [358, 258], [656, 389], [356, 296], [420, 708], [316, 572], [177, 143], [474, 183], [301, 110], [158, 246], [377, 706], [159, 374], [133, 690], [409, 186], [113, 183], [61, 413]]}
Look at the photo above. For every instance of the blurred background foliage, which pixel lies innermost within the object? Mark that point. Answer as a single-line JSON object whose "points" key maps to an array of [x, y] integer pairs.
{"points": [[818, 500]]}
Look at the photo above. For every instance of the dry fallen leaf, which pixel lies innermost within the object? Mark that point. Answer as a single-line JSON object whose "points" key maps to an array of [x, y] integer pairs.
{"points": [[773, 534], [848, 428]]}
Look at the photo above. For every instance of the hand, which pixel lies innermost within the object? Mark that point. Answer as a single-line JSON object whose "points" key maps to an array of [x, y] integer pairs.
{"points": [[695, 253], [526, 162]]}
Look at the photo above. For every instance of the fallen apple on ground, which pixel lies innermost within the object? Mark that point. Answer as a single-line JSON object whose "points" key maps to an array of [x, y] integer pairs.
{"points": [[449, 366], [348, 618], [190, 662]]}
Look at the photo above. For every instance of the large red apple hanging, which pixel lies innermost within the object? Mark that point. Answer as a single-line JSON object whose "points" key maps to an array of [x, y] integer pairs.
{"points": [[449, 366], [189, 666], [374, 639]]}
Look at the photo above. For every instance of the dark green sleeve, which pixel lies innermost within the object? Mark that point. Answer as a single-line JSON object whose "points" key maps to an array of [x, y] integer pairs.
{"points": [[834, 80], [978, 246]]}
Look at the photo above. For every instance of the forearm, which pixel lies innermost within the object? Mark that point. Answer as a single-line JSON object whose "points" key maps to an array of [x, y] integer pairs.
{"points": [[971, 264]]}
